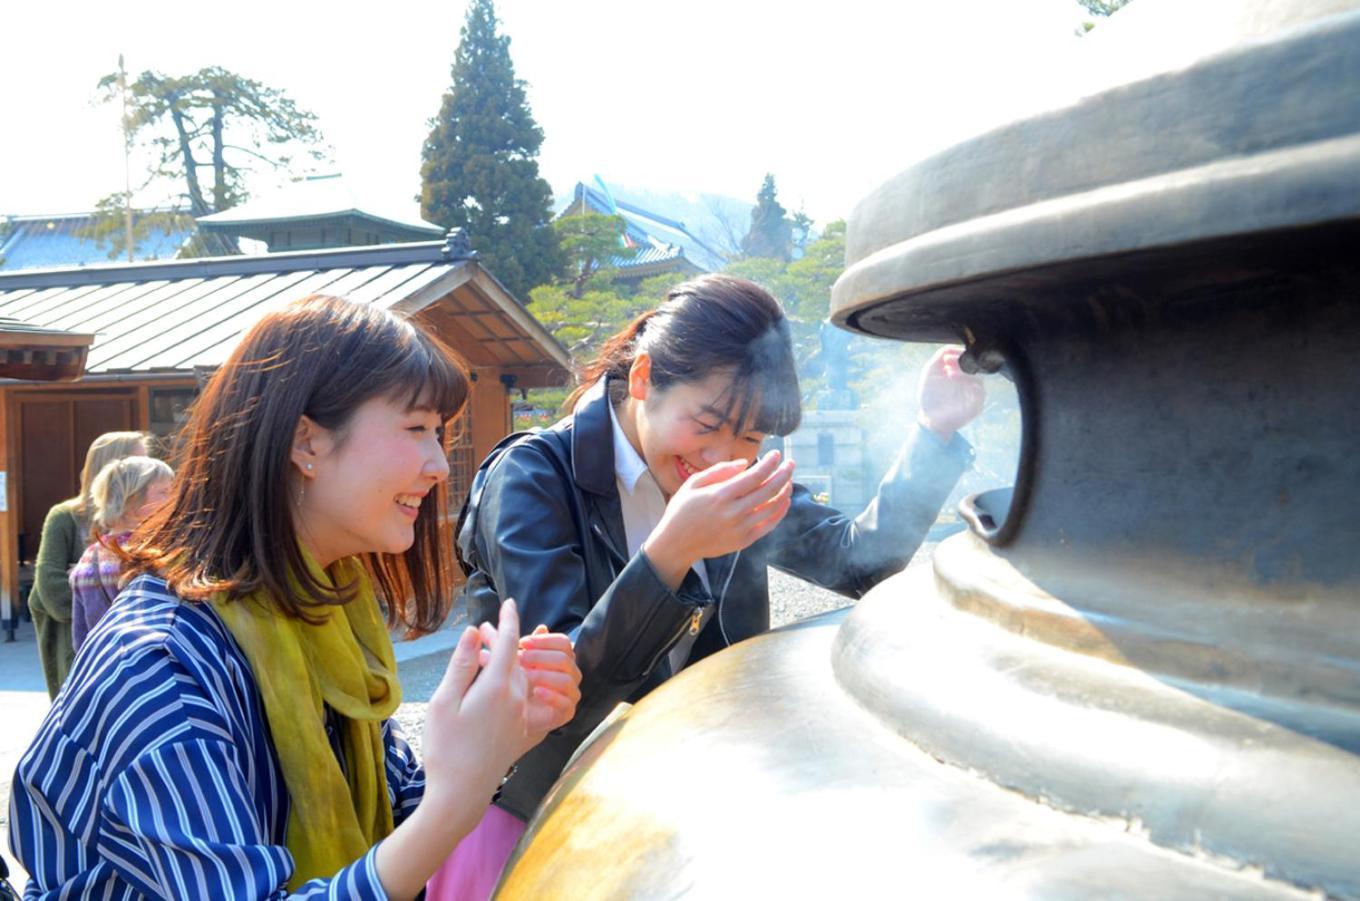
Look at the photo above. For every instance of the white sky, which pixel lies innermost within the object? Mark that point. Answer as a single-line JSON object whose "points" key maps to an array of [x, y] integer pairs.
{"points": [[701, 96]]}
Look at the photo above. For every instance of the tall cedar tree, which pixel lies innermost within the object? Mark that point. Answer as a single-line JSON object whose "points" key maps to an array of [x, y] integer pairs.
{"points": [[479, 169], [771, 233]]}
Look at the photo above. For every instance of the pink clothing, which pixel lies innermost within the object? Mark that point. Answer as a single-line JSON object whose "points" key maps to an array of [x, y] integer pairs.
{"points": [[473, 869]]}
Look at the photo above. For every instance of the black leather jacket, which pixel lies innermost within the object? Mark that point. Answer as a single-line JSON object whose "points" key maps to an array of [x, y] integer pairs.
{"points": [[543, 524]]}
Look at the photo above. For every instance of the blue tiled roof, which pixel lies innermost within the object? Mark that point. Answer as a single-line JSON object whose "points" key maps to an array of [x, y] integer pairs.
{"points": [[649, 255], [659, 237], [39, 242]]}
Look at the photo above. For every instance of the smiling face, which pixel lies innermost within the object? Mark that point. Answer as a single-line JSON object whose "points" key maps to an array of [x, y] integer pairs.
{"points": [[681, 430], [367, 480]]}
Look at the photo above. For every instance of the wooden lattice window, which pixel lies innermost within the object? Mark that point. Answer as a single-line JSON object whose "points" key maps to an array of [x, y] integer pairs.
{"points": [[462, 465]]}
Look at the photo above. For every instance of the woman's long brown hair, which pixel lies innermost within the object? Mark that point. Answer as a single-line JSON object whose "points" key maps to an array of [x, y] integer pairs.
{"points": [[228, 528]]}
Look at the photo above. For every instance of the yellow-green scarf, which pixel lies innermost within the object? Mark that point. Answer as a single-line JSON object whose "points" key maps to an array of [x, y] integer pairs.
{"points": [[346, 663]]}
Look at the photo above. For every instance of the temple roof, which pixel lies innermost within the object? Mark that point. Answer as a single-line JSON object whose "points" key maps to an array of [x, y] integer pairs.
{"points": [[659, 239], [36, 242], [322, 197]]}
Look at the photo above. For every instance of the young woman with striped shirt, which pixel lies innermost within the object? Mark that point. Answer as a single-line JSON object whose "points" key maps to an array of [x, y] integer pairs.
{"points": [[226, 731]]}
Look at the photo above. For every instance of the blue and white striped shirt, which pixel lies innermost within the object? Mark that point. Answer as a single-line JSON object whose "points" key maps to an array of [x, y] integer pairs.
{"points": [[154, 772]]}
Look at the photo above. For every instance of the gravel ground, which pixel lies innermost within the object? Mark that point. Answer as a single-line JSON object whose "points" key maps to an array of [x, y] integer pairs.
{"points": [[791, 599]]}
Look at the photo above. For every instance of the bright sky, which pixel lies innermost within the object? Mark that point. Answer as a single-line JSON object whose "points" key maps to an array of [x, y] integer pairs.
{"points": [[701, 96]]}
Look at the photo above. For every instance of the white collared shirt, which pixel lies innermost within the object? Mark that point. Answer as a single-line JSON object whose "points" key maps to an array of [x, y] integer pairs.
{"points": [[643, 505]]}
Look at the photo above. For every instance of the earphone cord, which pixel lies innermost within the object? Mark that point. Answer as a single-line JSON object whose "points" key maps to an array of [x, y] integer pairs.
{"points": [[723, 594]]}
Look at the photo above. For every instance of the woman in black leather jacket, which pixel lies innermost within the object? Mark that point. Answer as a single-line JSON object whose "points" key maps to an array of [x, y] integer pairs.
{"points": [[643, 523]]}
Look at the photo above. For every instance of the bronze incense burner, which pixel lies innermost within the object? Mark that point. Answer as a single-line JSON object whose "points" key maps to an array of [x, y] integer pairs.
{"points": [[1138, 673]]}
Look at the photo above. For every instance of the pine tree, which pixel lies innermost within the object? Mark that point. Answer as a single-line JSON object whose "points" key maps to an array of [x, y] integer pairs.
{"points": [[208, 130], [593, 244], [479, 169], [1101, 8], [771, 233]]}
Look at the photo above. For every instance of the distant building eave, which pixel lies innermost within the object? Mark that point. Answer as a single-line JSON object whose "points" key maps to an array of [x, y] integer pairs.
{"points": [[66, 240], [314, 199], [35, 353], [224, 222]]}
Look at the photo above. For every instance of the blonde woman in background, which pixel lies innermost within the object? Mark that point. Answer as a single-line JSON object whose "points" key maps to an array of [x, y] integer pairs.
{"points": [[125, 492], [65, 534]]}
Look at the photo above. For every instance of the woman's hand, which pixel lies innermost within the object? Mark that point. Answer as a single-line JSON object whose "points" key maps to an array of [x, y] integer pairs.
{"points": [[949, 397], [475, 728], [725, 508], [476, 724], [549, 663], [549, 660]]}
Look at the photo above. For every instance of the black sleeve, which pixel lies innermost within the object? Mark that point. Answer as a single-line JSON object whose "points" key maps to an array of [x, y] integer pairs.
{"points": [[851, 555]]}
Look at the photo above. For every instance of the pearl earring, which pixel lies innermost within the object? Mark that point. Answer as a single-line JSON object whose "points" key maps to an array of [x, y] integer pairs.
{"points": [[302, 488]]}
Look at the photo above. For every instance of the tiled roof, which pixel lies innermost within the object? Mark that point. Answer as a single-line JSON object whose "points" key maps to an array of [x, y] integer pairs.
{"points": [[650, 255], [188, 314], [654, 233], [51, 241]]}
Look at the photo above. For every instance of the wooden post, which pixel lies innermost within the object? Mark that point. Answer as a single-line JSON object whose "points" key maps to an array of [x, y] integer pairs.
{"points": [[9, 534], [143, 412], [490, 411]]}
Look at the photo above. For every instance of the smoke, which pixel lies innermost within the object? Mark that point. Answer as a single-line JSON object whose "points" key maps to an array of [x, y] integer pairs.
{"points": [[889, 413]]}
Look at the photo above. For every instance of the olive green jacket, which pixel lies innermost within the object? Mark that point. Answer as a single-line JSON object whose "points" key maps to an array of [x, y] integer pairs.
{"points": [[50, 600]]}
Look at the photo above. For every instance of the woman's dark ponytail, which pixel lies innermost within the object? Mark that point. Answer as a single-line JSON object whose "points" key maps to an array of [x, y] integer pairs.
{"points": [[614, 359]]}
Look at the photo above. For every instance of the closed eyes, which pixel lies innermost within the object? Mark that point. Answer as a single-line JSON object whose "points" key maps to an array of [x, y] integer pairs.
{"points": [[708, 428]]}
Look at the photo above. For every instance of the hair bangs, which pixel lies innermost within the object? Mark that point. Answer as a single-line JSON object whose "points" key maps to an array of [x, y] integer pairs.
{"points": [[761, 400], [428, 376], [764, 395]]}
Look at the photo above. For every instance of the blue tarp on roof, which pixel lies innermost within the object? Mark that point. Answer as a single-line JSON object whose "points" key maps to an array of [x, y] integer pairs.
{"points": [[42, 242]]}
